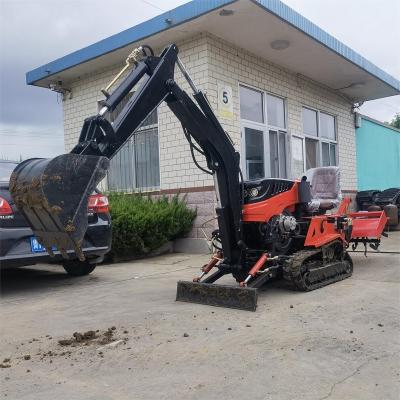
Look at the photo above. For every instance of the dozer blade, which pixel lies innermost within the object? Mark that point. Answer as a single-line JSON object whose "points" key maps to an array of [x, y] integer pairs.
{"points": [[217, 295], [52, 194]]}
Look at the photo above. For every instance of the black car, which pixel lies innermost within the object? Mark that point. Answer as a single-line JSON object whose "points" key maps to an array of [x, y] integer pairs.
{"points": [[19, 247]]}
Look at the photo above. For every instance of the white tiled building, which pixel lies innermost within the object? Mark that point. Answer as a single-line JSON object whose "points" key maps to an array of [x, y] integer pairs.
{"points": [[290, 90]]}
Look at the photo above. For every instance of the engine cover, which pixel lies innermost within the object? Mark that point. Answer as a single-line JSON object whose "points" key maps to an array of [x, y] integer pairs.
{"points": [[259, 190]]}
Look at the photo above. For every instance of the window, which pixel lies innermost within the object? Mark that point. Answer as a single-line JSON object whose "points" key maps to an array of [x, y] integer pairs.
{"points": [[254, 140], [328, 154], [297, 156], [327, 123], [277, 143], [320, 141], [251, 105], [328, 133], [275, 111], [263, 134], [136, 166], [310, 124], [311, 153]]}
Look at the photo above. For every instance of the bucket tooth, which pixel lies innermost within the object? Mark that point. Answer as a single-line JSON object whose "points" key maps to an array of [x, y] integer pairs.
{"points": [[217, 295]]}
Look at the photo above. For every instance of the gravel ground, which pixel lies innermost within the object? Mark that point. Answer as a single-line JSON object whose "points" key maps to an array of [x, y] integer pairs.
{"points": [[119, 334]]}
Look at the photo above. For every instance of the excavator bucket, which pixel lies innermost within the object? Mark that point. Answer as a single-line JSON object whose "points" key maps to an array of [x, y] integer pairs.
{"points": [[52, 194]]}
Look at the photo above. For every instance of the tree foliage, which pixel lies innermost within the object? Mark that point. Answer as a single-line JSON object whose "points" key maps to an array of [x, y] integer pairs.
{"points": [[395, 122]]}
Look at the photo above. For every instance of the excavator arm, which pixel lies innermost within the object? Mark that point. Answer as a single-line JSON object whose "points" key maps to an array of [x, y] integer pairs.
{"points": [[52, 193]]}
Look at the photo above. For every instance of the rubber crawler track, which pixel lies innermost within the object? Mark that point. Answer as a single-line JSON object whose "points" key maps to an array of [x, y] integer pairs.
{"points": [[296, 270]]}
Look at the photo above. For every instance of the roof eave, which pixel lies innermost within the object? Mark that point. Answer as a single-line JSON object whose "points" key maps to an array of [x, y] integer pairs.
{"points": [[195, 9], [162, 22], [292, 17]]}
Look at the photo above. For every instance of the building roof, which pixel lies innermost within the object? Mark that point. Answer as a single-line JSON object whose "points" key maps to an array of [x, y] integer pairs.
{"points": [[312, 52], [375, 121]]}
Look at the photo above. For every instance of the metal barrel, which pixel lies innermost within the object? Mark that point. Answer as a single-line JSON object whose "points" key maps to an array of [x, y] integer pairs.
{"points": [[52, 194], [217, 295]]}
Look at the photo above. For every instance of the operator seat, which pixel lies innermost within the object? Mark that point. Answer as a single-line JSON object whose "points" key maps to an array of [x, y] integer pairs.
{"points": [[325, 188]]}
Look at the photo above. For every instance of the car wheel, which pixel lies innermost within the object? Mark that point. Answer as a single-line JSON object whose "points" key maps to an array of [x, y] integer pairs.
{"points": [[78, 268]]}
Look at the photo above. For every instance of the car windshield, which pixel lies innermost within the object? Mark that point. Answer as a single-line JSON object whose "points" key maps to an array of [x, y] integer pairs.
{"points": [[6, 168]]}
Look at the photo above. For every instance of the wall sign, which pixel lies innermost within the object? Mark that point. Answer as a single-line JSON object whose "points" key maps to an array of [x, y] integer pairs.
{"points": [[225, 101]]}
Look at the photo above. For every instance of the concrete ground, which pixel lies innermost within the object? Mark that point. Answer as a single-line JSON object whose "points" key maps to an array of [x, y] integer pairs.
{"points": [[340, 342]]}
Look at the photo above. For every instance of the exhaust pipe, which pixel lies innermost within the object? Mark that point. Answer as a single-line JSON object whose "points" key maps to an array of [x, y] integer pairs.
{"points": [[52, 194]]}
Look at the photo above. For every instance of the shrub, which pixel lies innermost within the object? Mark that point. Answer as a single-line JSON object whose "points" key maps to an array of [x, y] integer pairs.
{"points": [[142, 224]]}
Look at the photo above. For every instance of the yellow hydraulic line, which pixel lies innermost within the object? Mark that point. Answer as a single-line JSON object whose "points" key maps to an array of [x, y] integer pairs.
{"points": [[132, 58]]}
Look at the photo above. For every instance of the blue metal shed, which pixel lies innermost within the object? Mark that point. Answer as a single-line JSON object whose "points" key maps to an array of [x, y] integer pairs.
{"points": [[378, 155]]}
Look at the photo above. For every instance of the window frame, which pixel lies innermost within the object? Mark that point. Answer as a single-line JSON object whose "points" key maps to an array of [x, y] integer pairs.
{"points": [[258, 127], [266, 128], [278, 133], [320, 139], [303, 150], [263, 108], [302, 122]]}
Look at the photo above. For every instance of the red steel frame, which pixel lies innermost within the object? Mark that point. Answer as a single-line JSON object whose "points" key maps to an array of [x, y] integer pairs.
{"points": [[368, 224], [320, 231], [365, 225]]}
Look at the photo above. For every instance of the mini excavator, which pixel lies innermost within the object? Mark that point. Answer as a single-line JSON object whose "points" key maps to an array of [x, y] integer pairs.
{"points": [[267, 229]]}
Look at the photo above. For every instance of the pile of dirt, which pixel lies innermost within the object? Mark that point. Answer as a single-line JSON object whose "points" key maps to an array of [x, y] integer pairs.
{"points": [[70, 348], [90, 337], [49, 354], [6, 363]]}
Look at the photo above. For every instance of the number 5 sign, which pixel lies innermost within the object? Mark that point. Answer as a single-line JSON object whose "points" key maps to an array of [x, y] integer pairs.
{"points": [[225, 101]]}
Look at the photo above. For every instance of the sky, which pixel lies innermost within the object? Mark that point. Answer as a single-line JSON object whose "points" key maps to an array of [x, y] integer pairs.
{"points": [[34, 32]]}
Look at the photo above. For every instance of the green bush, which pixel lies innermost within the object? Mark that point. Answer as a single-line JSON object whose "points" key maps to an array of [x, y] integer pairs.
{"points": [[141, 224]]}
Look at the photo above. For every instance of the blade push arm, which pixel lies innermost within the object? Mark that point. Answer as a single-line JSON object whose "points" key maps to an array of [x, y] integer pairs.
{"points": [[157, 84]]}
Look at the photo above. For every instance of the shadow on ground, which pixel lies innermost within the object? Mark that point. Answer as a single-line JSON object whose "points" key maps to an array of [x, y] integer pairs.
{"points": [[36, 279]]}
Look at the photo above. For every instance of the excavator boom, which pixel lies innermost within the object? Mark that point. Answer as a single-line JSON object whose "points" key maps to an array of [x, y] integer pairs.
{"points": [[52, 194]]}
